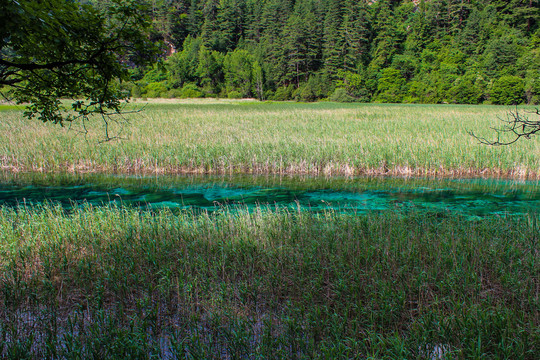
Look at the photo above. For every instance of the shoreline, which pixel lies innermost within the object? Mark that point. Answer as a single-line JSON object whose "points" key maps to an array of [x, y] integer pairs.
{"points": [[303, 169]]}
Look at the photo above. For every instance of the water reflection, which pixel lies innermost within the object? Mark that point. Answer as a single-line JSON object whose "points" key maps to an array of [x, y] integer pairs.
{"points": [[476, 197]]}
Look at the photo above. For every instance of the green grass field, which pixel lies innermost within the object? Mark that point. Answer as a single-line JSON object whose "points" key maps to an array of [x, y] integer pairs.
{"points": [[117, 283], [222, 136]]}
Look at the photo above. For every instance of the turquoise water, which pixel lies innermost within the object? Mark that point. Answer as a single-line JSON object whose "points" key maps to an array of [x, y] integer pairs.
{"points": [[475, 197]]}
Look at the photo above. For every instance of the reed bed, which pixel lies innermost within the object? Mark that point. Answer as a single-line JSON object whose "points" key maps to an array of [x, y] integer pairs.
{"points": [[116, 282], [230, 137]]}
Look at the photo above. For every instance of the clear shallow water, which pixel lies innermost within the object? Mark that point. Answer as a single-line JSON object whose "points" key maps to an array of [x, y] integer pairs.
{"points": [[474, 197]]}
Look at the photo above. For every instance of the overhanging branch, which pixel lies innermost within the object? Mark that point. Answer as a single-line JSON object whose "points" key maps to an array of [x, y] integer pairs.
{"points": [[33, 66]]}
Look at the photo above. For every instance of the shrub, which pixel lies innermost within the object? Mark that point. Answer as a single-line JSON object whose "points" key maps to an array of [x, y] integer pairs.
{"points": [[155, 89], [465, 92], [391, 86], [136, 91], [341, 95], [305, 93], [284, 93], [268, 94], [233, 94], [508, 90], [210, 91], [355, 85], [174, 93], [190, 91], [532, 87]]}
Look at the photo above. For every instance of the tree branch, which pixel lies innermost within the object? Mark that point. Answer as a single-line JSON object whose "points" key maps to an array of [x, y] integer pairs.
{"points": [[517, 125], [34, 66]]}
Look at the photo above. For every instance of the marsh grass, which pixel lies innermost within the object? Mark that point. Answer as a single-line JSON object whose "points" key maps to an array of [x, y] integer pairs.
{"points": [[116, 282], [225, 137]]}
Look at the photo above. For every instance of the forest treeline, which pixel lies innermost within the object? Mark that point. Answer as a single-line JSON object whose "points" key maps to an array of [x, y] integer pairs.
{"points": [[423, 51]]}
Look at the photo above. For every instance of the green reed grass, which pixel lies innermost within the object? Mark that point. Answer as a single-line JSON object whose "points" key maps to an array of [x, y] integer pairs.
{"points": [[116, 282], [222, 136]]}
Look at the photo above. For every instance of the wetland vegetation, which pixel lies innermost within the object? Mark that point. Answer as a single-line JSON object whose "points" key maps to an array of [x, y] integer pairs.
{"points": [[315, 258], [93, 280], [113, 282], [224, 137]]}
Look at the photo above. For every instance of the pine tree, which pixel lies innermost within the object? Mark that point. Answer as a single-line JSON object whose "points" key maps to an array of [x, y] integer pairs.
{"points": [[178, 19], [253, 15], [388, 38], [275, 14], [523, 14], [354, 35], [333, 39], [419, 30], [472, 39], [299, 49], [457, 12], [209, 28], [348, 43], [195, 18], [230, 24]]}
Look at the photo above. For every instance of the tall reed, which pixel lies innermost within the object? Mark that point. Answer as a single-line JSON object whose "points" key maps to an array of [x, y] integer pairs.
{"points": [[252, 137], [114, 282]]}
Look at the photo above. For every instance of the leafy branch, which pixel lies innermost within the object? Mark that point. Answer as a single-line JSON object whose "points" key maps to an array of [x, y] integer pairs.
{"points": [[60, 49]]}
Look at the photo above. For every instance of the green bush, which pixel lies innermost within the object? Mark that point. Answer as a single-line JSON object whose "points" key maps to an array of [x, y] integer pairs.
{"points": [[532, 87], [233, 94], [238, 72], [284, 93], [391, 86], [190, 91], [508, 90], [155, 75], [355, 85], [155, 90], [210, 90], [465, 92], [136, 91], [305, 93], [268, 94], [341, 95], [415, 92], [174, 93]]}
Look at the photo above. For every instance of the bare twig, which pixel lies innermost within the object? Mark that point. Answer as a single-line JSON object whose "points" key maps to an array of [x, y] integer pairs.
{"points": [[516, 125], [78, 123]]}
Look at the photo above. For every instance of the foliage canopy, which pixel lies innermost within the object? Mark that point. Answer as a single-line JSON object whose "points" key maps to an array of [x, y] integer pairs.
{"points": [[57, 49], [425, 51]]}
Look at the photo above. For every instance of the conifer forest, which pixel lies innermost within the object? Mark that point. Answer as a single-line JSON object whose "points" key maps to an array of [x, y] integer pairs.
{"points": [[419, 51]]}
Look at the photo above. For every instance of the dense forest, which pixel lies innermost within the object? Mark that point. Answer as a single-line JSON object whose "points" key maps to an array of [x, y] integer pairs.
{"points": [[423, 51]]}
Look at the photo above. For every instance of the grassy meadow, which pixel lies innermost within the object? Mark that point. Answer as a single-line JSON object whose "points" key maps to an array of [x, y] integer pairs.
{"points": [[222, 136], [116, 282]]}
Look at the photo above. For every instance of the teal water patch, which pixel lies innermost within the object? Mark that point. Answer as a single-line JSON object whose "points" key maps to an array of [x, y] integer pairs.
{"points": [[473, 197]]}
